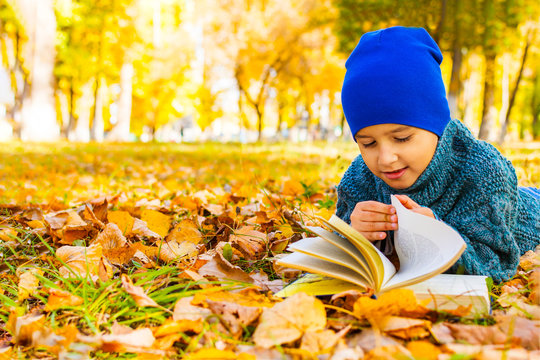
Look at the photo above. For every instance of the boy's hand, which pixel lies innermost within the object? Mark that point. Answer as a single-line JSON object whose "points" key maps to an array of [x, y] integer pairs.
{"points": [[372, 219], [411, 205]]}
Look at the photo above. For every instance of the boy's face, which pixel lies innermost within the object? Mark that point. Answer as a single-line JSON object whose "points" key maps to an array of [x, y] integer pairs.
{"points": [[398, 154]]}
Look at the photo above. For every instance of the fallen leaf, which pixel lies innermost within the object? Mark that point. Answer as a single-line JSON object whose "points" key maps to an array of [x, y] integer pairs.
{"points": [[122, 219], [184, 310], [399, 302], [534, 284], [250, 242], [390, 352], [156, 221], [404, 328], [60, 298], [477, 334], [28, 283], [423, 350], [284, 322], [8, 234], [111, 237], [171, 326], [529, 260], [23, 327], [172, 251], [292, 188], [368, 340], [320, 341], [234, 316], [67, 226], [185, 230], [523, 331], [137, 293], [211, 354], [125, 339], [140, 228], [80, 259]]}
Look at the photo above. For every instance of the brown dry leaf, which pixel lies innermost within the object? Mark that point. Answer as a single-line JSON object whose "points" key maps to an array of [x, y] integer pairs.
{"points": [[284, 322], [58, 340], [67, 226], [518, 305], [172, 251], [60, 298], [6, 352], [111, 237], [122, 219], [260, 279], [137, 293], [423, 350], [477, 334], [250, 242], [220, 269], [442, 334], [404, 328], [523, 331], [399, 302], [34, 224], [185, 230], [80, 259], [184, 310], [320, 341], [234, 316], [157, 221], [28, 283]]}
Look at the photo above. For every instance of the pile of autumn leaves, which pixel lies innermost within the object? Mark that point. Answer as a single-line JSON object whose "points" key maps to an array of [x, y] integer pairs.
{"points": [[206, 236]]}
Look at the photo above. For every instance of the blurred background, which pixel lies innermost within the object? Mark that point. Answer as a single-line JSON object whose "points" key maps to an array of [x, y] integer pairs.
{"points": [[246, 70]]}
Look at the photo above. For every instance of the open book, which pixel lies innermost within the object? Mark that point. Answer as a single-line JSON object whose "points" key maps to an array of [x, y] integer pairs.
{"points": [[425, 247]]}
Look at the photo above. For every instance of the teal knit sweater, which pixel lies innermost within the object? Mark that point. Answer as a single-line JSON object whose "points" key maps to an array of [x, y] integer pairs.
{"points": [[470, 186]]}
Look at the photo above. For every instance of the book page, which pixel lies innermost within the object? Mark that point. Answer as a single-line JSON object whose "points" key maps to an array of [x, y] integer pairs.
{"points": [[325, 250], [449, 291], [311, 264], [346, 246], [383, 269], [316, 285], [425, 247]]}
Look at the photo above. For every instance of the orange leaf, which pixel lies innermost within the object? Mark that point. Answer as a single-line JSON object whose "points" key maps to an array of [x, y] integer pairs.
{"points": [[137, 293], [293, 188], [60, 298], [28, 283], [186, 230]]}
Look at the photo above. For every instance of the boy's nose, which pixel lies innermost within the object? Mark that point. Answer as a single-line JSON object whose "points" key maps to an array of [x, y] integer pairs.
{"points": [[387, 156]]}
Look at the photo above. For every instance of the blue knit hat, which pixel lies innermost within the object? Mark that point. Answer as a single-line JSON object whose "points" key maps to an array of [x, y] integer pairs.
{"points": [[394, 77]]}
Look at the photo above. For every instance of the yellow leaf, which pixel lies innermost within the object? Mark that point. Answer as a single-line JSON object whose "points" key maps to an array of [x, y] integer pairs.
{"points": [[212, 354], [36, 224], [28, 283], [423, 350], [122, 219], [172, 251], [156, 221]]}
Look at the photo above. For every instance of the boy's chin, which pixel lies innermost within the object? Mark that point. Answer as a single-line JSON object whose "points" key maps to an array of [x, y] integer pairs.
{"points": [[399, 184]]}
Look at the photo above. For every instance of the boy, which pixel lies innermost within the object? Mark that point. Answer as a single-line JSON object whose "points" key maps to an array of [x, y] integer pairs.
{"points": [[395, 103]]}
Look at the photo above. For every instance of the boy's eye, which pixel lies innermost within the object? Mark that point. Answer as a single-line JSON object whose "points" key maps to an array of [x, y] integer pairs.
{"points": [[366, 145], [403, 139]]}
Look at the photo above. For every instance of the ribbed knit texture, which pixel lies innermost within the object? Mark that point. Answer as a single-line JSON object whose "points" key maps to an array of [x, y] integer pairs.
{"points": [[471, 187]]}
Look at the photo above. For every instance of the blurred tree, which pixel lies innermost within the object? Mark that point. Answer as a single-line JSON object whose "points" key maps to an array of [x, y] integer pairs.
{"points": [[38, 114], [12, 38]]}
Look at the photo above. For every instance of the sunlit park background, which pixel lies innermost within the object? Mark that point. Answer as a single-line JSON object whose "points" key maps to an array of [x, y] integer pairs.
{"points": [[192, 130]]}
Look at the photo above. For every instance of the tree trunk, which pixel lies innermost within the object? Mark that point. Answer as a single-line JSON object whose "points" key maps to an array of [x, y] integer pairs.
{"points": [[96, 130], [504, 127], [488, 111], [259, 121], [121, 130], [39, 113]]}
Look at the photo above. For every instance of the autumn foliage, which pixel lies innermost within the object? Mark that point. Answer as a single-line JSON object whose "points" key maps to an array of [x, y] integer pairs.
{"points": [[167, 251]]}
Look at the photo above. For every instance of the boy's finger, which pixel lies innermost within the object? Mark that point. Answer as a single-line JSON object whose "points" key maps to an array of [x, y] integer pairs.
{"points": [[407, 202], [374, 236], [375, 206], [371, 216], [372, 226]]}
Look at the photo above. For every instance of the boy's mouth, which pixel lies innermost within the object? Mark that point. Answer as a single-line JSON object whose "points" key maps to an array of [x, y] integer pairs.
{"points": [[393, 175]]}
